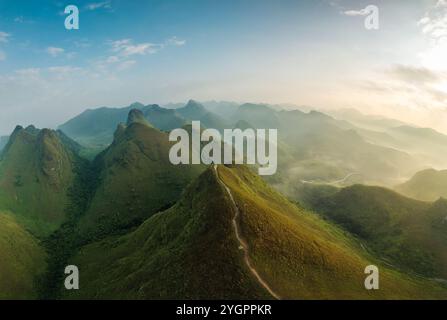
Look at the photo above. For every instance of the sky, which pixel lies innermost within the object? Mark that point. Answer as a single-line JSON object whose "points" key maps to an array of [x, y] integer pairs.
{"points": [[314, 53]]}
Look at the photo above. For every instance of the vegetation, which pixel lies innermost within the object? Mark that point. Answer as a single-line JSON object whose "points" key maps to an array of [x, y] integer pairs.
{"points": [[22, 260], [190, 251], [137, 168], [36, 172], [407, 233], [140, 228], [427, 185]]}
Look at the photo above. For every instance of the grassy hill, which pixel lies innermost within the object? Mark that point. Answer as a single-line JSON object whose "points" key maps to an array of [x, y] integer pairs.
{"points": [[37, 170], [426, 185], [135, 178], [191, 251], [22, 260], [407, 233]]}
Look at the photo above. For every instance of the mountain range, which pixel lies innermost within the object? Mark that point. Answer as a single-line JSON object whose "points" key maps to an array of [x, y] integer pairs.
{"points": [[100, 193]]}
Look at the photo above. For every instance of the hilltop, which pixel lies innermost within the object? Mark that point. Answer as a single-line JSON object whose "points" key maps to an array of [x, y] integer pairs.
{"points": [[37, 170], [134, 178]]}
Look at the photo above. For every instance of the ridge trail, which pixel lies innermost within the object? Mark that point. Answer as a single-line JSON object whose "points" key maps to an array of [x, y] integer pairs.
{"points": [[242, 244]]}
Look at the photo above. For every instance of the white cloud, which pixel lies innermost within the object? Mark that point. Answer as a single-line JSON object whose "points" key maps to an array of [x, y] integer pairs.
{"points": [[354, 13], [98, 5], [174, 41], [54, 51], [126, 48], [434, 26], [4, 37], [2, 56]]}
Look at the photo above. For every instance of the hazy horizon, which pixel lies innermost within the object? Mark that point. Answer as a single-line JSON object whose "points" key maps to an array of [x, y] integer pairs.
{"points": [[305, 53]]}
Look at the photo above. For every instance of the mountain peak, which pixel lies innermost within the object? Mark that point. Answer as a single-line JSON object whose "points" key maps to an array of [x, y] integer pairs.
{"points": [[137, 116], [194, 105]]}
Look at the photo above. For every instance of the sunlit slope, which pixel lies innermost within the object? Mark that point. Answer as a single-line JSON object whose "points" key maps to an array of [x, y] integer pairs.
{"points": [[22, 260], [191, 251], [188, 251], [136, 179], [408, 233], [301, 255], [427, 185], [37, 170]]}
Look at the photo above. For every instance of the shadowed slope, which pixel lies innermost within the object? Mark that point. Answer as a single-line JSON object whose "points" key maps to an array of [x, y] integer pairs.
{"points": [[22, 260], [136, 179]]}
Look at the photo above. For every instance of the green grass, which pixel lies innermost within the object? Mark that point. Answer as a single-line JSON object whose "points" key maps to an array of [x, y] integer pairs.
{"points": [[303, 256], [22, 260], [190, 252], [135, 180], [410, 234], [36, 172]]}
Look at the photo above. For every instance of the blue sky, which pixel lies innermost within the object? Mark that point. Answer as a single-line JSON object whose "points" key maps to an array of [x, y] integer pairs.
{"points": [[310, 52]]}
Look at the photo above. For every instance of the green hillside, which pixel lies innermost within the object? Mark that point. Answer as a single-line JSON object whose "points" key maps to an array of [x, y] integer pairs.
{"points": [[135, 178], [37, 170], [427, 185], [407, 233], [22, 260], [191, 251]]}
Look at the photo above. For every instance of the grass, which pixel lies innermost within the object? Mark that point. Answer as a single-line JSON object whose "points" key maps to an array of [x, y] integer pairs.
{"points": [[190, 252], [36, 172], [408, 233], [22, 260], [304, 257], [135, 180]]}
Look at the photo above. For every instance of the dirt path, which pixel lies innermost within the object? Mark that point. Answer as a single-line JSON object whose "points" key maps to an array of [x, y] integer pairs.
{"points": [[242, 244]]}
